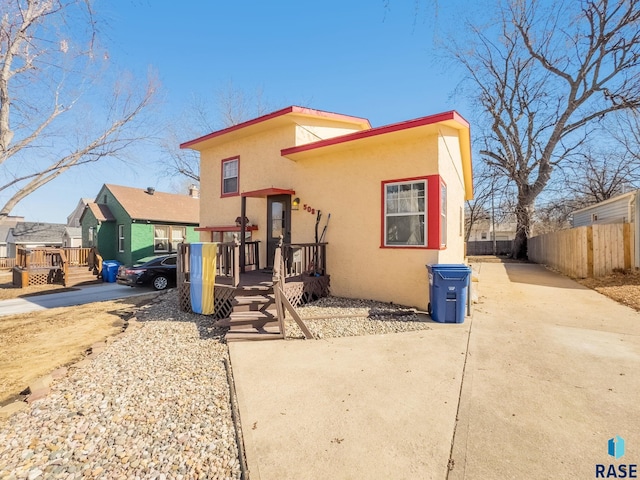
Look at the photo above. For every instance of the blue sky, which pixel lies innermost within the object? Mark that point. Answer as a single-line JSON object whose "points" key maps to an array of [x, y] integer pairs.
{"points": [[355, 57]]}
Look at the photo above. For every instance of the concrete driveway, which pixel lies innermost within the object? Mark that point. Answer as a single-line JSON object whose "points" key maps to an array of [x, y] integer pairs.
{"points": [[79, 296], [539, 380]]}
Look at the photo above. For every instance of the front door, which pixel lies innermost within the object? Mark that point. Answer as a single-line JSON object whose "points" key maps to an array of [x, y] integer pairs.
{"points": [[278, 223]]}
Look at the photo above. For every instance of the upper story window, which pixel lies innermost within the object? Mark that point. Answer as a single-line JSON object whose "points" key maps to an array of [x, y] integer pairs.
{"points": [[230, 176], [405, 214]]}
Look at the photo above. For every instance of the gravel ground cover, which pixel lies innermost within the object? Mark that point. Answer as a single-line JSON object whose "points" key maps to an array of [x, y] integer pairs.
{"points": [[373, 318], [156, 403]]}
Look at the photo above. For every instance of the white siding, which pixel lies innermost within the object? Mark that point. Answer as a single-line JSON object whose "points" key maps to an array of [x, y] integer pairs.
{"points": [[616, 211]]}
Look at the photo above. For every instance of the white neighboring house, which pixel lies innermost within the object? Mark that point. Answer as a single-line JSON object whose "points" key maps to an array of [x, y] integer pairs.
{"points": [[72, 237], [34, 235], [482, 230], [620, 209], [6, 224], [624, 208]]}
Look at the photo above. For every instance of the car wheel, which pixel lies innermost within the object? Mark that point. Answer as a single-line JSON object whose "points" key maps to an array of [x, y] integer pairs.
{"points": [[160, 282]]}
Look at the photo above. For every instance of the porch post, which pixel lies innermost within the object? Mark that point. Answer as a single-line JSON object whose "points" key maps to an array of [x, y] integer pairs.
{"points": [[243, 228]]}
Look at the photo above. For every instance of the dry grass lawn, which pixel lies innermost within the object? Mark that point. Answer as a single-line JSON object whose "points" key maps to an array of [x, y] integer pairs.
{"points": [[33, 344]]}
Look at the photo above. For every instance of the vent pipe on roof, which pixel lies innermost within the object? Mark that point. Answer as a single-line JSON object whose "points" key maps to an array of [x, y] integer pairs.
{"points": [[151, 190], [193, 191]]}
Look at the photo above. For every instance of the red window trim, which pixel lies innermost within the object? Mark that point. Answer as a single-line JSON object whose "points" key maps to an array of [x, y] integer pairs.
{"points": [[433, 213], [222, 162]]}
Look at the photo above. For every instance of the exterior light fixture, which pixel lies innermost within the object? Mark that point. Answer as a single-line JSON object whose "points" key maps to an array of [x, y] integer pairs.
{"points": [[295, 204]]}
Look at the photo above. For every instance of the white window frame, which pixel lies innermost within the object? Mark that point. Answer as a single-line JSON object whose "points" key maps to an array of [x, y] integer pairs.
{"points": [[121, 238], [226, 162], [175, 228], [424, 213], [168, 240], [161, 240]]}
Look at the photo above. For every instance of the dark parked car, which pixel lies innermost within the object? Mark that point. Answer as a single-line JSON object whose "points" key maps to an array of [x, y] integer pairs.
{"points": [[157, 271]]}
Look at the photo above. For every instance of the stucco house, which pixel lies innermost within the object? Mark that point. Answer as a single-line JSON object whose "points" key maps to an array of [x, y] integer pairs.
{"points": [[127, 224], [395, 194]]}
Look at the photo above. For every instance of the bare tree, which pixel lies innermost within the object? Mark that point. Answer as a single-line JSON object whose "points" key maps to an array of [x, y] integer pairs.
{"points": [[544, 75], [229, 106], [490, 199], [50, 62], [594, 177]]}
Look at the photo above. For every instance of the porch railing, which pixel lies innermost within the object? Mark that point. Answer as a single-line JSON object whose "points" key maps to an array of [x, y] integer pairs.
{"points": [[78, 256], [227, 260], [304, 258], [42, 257], [6, 262]]}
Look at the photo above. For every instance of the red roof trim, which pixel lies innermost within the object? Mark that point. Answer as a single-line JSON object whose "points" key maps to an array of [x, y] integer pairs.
{"points": [[269, 116], [395, 127], [226, 228], [265, 192]]}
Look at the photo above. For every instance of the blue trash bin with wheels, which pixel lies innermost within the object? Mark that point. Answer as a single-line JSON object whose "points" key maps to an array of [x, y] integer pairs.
{"points": [[110, 270], [448, 290]]}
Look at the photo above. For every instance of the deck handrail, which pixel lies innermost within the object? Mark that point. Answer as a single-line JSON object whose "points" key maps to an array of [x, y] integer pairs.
{"points": [[304, 258], [227, 260], [40, 258]]}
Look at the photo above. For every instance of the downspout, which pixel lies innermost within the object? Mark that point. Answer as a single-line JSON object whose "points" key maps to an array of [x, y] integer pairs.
{"points": [[243, 229]]}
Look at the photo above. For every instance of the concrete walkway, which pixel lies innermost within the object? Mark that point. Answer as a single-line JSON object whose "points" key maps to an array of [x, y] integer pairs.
{"points": [[551, 373], [79, 296]]}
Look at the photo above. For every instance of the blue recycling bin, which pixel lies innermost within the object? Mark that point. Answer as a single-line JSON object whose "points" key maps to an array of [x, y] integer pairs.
{"points": [[110, 270], [448, 290]]}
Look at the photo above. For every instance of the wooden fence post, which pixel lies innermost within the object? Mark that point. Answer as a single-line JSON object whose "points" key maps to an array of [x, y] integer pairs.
{"points": [[626, 241], [590, 251]]}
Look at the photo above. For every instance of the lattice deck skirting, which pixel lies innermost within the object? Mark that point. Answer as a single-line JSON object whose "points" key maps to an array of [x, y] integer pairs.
{"points": [[45, 277], [306, 290], [299, 290]]}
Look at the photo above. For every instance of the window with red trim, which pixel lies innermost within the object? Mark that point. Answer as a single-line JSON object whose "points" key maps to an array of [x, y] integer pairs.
{"points": [[414, 213], [230, 176], [405, 213]]}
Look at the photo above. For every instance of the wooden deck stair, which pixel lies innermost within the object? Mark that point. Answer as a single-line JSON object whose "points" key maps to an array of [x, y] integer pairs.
{"points": [[254, 315], [80, 275]]}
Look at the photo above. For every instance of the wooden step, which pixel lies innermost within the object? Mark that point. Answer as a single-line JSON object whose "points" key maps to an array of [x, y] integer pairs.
{"points": [[252, 290], [255, 318], [249, 334], [252, 303]]}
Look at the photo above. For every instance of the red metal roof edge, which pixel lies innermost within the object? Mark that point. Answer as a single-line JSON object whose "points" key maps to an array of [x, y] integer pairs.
{"points": [[394, 127], [264, 192], [269, 116]]}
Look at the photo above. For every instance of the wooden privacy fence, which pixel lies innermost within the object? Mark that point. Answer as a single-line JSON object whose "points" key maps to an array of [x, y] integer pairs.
{"points": [[583, 252]]}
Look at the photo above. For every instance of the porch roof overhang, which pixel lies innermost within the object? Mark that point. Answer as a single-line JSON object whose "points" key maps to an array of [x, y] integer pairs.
{"points": [[397, 132], [266, 192], [226, 228]]}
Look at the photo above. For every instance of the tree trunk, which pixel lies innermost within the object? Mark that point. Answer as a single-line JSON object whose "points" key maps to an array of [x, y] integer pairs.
{"points": [[524, 213]]}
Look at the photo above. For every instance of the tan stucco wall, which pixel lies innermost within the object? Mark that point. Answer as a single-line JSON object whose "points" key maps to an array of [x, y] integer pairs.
{"points": [[261, 166], [346, 184], [450, 166]]}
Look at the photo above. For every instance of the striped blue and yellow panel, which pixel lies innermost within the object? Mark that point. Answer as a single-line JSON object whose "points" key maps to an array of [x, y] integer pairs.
{"points": [[202, 267]]}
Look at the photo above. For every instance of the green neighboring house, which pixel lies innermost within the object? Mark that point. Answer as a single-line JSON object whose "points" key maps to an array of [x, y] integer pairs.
{"points": [[127, 224]]}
